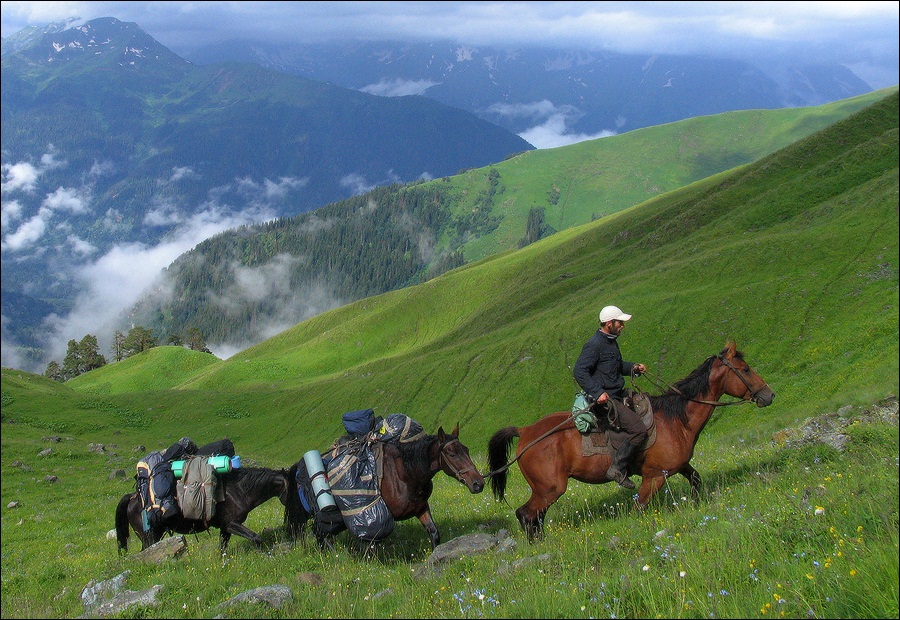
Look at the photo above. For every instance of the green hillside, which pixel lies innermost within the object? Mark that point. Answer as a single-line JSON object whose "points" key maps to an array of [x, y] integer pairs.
{"points": [[775, 255], [592, 179], [392, 237], [158, 368], [795, 257]]}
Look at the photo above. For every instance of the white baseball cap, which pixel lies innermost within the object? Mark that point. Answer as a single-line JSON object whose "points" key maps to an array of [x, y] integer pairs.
{"points": [[612, 313]]}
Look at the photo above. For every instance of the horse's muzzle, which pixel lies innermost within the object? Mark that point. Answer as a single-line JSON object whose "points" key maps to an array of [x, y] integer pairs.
{"points": [[764, 397], [476, 485]]}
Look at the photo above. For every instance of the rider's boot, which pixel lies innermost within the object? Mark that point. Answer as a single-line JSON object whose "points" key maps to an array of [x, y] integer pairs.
{"points": [[618, 470]]}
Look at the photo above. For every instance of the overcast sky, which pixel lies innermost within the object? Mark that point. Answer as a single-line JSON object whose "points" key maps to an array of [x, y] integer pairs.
{"points": [[861, 35]]}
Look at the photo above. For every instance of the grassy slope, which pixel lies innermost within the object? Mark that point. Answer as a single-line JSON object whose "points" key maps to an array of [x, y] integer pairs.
{"points": [[794, 257], [599, 177]]}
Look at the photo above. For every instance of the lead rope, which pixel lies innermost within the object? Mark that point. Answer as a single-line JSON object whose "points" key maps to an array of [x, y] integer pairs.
{"points": [[534, 441]]}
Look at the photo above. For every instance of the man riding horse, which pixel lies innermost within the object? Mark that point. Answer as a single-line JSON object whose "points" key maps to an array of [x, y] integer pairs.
{"points": [[600, 372]]}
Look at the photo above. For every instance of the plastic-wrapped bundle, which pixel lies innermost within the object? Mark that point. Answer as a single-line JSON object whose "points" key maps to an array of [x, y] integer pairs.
{"points": [[354, 482]]}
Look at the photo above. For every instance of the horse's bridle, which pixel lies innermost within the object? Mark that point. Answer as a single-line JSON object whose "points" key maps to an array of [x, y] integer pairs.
{"points": [[753, 393], [457, 473], [715, 403]]}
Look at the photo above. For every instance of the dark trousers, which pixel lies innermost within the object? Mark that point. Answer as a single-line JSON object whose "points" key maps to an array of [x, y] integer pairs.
{"points": [[623, 420]]}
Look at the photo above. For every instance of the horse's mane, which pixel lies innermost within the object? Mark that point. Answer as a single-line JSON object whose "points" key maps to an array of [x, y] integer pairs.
{"points": [[673, 402], [252, 478], [416, 452]]}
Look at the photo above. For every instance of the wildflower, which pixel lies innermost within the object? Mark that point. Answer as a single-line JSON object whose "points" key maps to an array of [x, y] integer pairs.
{"points": [[853, 572], [820, 510], [682, 574], [646, 568]]}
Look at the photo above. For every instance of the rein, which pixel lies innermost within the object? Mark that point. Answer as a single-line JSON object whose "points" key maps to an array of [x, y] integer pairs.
{"points": [[656, 380]]}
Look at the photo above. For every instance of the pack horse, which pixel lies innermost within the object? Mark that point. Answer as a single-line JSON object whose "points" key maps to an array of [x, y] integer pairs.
{"points": [[245, 488], [402, 481]]}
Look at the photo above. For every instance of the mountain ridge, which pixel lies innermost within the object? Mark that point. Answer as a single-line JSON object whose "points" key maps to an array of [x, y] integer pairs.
{"points": [[111, 140], [591, 92]]}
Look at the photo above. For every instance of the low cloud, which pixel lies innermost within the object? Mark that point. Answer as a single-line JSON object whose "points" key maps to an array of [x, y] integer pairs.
{"points": [[398, 87], [63, 199], [10, 211], [21, 176], [551, 126], [28, 233], [553, 133], [358, 184], [272, 283], [75, 201], [116, 280], [113, 281], [183, 172]]}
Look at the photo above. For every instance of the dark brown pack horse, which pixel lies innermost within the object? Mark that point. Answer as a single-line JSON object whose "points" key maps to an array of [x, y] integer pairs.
{"points": [[406, 483], [246, 488], [549, 451]]}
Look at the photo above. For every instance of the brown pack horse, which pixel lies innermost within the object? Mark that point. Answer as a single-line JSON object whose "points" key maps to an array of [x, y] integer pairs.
{"points": [[406, 482], [549, 451]]}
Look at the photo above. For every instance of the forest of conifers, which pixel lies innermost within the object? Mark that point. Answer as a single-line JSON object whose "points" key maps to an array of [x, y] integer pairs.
{"points": [[363, 246]]}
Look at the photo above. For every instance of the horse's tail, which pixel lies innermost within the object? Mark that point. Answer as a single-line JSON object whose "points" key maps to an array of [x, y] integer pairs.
{"points": [[498, 453], [122, 531]]}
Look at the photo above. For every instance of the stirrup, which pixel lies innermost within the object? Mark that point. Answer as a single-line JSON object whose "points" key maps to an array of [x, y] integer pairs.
{"points": [[613, 473]]}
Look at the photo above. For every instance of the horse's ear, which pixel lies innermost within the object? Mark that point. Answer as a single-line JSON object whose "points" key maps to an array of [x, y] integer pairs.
{"points": [[729, 349], [455, 432], [440, 433]]}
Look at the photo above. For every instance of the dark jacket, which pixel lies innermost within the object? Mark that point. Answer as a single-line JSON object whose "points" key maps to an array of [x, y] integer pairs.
{"points": [[600, 367]]}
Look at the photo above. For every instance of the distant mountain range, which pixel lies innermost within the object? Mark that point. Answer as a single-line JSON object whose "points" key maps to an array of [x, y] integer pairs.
{"points": [[109, 138], [542, 90], [245, 285]]}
